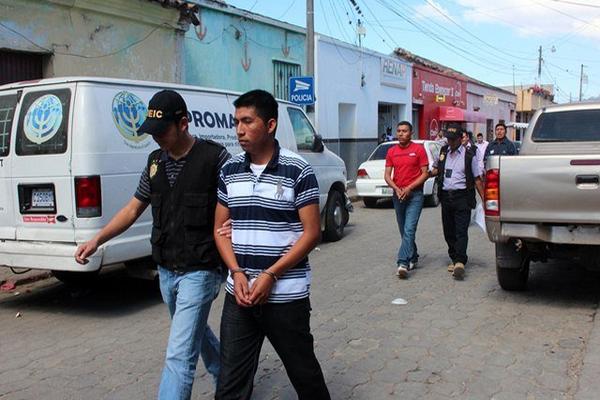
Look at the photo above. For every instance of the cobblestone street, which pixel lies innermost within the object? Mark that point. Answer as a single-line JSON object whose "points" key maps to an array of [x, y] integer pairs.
{"points": [[453, 340]]}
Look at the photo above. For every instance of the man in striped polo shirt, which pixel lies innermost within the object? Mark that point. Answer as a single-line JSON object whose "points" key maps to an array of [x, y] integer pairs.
{"points": [[272, 197]]}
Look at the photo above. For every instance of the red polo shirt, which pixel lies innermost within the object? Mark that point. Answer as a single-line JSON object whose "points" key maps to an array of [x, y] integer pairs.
{"points": [[407, 162]]}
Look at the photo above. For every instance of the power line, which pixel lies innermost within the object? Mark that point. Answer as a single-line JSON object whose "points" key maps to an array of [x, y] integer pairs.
{"points": [[435, 7], [287, 9], [575, 3], [467, 41], [436, 37], [565, 14]]}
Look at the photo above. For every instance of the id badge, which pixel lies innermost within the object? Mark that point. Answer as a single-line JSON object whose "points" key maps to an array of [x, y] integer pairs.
{"points": [[448, 173]]}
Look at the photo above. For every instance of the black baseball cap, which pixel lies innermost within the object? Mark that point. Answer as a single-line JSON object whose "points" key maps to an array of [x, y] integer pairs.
{"points": [[164, 108], [453, 131]]}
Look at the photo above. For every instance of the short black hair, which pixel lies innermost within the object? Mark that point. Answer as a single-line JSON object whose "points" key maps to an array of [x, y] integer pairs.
{"points": [[480, 134], [501, 124], [265, 104], [410, 127]]}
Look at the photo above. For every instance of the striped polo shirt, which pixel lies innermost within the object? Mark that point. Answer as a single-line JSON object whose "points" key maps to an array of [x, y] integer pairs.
{"points": [[266, 223]]}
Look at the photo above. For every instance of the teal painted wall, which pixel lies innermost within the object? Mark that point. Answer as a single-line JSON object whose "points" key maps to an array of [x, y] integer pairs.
{"points": [[215, 60]]}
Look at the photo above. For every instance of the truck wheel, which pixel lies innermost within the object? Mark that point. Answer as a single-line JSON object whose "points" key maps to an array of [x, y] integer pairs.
{"points": [[334, 217], [77, 279], [370, 202], [433, 200], [512, 266]]}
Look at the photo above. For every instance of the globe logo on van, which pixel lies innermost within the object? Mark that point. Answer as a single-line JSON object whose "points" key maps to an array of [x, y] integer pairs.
{"points": [[43, 119], [129, 113]]}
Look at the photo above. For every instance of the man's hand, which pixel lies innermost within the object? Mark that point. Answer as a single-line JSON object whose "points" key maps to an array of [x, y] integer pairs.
{"points": [[241, 290], [398, 193], [261, 289], [405, 193], [85, 250], [225, 229]]}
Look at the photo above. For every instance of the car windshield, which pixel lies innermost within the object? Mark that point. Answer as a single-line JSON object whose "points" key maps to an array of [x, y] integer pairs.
{"points": [[381, 151], [568, 126]]}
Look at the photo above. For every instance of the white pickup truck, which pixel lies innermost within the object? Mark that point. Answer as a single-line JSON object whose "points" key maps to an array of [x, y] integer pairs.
{"points": [[545, 203]]}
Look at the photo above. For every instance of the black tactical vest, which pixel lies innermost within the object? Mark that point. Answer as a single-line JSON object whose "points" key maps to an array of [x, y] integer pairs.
{"points": [[183, 215], [470, 178]]}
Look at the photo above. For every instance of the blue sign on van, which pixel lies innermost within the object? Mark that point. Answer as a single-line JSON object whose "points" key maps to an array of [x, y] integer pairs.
{"points": [[302, 90]]}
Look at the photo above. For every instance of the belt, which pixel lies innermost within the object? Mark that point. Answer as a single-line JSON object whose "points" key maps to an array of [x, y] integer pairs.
{"points": [[455, 191]]}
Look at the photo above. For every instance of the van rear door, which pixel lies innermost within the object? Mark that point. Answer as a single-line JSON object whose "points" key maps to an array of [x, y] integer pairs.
{"points": [[8, 104], [41, 176]]}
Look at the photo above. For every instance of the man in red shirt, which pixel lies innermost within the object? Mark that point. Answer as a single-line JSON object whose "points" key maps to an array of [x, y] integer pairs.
{"points": [[406, 170]]}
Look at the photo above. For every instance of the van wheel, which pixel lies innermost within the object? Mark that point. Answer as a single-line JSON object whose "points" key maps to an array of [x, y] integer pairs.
{"points": [[334, 217], [370, 202], [512, 266], [433, 200], [77, 279]]}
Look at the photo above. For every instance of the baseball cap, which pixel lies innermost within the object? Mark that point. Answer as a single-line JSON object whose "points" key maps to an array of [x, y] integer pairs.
{"points": [[453, 131], [164, 108]]}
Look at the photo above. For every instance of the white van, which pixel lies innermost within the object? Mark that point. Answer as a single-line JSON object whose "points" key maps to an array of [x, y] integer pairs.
{"points": [[71, 157]]}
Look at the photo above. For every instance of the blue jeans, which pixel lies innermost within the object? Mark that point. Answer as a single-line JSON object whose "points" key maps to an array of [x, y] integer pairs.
{"points": [[188, 297], [407, 215]]}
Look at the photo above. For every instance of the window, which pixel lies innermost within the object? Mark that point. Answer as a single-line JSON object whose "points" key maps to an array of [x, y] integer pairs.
{"points": [[380, 152], [303, 130], [568, 126], [282, 72], [43, 123], [7, 113]]}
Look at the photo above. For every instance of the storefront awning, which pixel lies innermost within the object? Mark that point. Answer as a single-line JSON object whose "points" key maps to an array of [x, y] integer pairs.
{"points": [[448, 113]]}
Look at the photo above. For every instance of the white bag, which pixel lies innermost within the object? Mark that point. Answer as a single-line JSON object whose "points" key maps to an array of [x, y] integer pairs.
{"points": [[478, 217]]}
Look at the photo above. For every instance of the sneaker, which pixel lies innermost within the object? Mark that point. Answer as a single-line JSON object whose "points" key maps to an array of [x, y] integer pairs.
{"points": [[459, 271], [451, 267], [402, 272], [412, 265]]}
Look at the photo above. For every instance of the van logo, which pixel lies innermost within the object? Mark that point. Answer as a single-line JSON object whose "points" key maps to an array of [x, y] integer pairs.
{"points": [[43, 119], [129, 113]]}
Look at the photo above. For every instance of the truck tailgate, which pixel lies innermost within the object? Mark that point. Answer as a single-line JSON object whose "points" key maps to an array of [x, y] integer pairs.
{"points": [[550, 188]]}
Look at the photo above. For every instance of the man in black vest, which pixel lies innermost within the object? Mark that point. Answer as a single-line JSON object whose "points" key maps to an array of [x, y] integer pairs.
{"points": [[180, 183], [458, 176]]}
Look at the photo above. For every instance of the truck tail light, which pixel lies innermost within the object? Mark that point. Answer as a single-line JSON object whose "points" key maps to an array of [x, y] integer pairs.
{"points": [[492, 193], [88, 196], [362, 174]]}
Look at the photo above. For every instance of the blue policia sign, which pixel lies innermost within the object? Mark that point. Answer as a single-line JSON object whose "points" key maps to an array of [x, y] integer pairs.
{"points": [[302, 90]]}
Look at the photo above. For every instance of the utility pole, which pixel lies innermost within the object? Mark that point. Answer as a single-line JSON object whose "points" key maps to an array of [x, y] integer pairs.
{"points": [[310, 38], [310, 44], [514, 90], [540, 66], [581, 82]]}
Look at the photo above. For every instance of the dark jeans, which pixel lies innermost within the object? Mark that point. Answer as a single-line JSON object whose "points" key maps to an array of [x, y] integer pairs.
{"points": [[287, 326], [456, 217]]}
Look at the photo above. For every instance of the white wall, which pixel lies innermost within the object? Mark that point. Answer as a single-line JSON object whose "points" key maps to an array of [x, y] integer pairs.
{"points": [[339, 67]]}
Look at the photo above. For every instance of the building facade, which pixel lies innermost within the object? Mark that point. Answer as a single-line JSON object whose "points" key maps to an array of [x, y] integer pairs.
{"points": [[238, 50], [494, 104], [437, 98], [112, 38], [359, 95]]}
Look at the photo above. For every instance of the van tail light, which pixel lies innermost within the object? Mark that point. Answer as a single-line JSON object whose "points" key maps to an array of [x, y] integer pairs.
{"points": [[362, 174], [88, 196], [492, 193]]}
